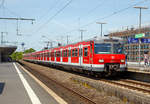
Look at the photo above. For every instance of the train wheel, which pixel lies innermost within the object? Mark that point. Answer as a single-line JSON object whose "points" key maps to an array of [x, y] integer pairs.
{"points": [[96, 76]]}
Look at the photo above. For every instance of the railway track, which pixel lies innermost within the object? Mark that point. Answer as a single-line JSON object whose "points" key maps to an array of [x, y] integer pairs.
{"points": [[131, 84], [138, 86], [47, 80]]}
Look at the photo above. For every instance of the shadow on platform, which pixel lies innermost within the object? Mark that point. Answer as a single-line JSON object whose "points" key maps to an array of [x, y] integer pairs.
{"points": [[1, 87]]}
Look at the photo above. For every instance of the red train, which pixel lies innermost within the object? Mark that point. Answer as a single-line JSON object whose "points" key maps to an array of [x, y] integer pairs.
{"points": [[98, 56]]}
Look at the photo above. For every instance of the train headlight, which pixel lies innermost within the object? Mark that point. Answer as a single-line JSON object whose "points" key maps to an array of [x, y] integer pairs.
{"points": [[101, 60], [122, 60]]}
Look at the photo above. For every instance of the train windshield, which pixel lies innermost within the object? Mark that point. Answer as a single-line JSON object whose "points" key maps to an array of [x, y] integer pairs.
{"points": [[117, 48], [102, 48]]}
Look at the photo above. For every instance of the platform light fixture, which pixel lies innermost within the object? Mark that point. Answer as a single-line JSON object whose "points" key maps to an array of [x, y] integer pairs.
{"points": [[140, 15], [101, 24]]}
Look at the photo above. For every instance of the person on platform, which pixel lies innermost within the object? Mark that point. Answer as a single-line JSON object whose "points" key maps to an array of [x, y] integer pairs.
{"points": [[146, 59], [149, 58]]}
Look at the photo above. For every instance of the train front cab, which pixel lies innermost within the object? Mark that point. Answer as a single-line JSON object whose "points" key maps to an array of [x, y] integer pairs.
{"points": [[108, 57]]}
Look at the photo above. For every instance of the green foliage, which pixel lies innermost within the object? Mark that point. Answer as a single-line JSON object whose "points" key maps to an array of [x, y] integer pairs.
{"points": [[19, 55], [29, 50]]}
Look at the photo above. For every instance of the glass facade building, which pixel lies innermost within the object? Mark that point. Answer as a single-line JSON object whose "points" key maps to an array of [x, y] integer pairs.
{"points": [[132, 49]]}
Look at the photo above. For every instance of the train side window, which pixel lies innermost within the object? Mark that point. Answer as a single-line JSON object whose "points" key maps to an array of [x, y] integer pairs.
{"points": [[66, 53], [85, 51], [76, 52], [80, 52], [49, 55], [69, 54], [59, 53], [63, 53], [44, 54], [52, 54], [72, 52]]}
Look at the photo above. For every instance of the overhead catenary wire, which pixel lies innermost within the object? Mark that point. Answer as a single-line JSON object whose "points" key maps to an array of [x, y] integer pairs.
{"points": [[93, 9], [52, 17], [108, 16], [49, 10]]}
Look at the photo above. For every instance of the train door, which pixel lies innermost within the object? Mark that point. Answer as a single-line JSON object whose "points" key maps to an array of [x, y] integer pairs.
{"points": [[86, 56], [61, 55], [80, 55], [69, 55], [54, 55], [50, 55], [91, 53]]}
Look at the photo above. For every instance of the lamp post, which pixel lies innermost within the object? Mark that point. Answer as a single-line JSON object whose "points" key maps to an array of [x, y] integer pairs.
{"points": [[138, 7], [101, 23], [50, 41], [81, 30]]}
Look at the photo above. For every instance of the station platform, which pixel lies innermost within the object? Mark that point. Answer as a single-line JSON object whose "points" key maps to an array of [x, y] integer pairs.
{"points": [[18, 87], [135, 67]]}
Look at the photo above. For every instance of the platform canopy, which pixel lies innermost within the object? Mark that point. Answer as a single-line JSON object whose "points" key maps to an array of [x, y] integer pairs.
{"points": [[5, 51]]}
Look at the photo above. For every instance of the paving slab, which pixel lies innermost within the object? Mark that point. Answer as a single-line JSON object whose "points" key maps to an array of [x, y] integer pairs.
{"points": [[14, 91]]}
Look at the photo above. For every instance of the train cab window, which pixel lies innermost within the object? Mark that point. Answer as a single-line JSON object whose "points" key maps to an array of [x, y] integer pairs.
{"points": [[85, 51], [102, 48]]}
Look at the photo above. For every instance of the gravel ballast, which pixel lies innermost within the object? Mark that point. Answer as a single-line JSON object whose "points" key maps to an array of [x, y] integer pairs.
{"points": [[72, 80]]}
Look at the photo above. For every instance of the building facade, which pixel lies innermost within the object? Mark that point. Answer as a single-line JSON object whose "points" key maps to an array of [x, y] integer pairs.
{"points": [[132, 49]]}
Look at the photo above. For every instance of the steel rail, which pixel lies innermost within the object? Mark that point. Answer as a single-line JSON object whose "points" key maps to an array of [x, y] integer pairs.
{"points": [[61, 85], [127, 86]]}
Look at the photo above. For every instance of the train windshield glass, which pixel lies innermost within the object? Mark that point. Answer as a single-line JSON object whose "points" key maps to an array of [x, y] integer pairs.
{"points": [[102, 48], [117, 48]]}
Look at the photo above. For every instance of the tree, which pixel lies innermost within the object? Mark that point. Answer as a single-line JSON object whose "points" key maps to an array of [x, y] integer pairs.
{"points": [[19, 55], [16, 56], [29, 50]]}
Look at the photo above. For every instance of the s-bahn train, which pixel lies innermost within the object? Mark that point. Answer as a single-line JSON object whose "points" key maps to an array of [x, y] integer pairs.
{"points": [[98, 56]]}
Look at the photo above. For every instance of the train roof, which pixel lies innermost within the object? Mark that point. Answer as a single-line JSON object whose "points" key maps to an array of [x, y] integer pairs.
{"points": [[95, 39]]}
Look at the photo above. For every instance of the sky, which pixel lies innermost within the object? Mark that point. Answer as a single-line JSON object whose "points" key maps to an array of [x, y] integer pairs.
{"points": [[55, 19]]}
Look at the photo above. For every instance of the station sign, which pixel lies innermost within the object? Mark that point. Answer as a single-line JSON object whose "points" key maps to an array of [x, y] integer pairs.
{"points": [[139, 35], [145, 40], [133, 40]]}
